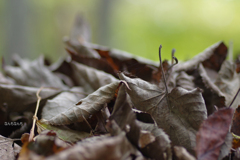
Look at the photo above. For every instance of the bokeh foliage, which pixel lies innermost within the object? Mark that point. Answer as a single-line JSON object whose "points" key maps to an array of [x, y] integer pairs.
{"points": [[136, 26]]}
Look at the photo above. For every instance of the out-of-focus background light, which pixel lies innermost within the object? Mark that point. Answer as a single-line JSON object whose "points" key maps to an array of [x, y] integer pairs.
{"points": [[30, 28]]}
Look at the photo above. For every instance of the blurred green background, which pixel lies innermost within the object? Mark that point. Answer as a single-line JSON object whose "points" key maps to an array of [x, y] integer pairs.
{"points": [[32, 27]]}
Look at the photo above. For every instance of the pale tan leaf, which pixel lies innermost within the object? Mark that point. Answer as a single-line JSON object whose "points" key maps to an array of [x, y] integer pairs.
{"points": [[180, 118], [21, 98], [182, 154], [33, 73], [87, 106], [107, 148], [62, 132], [89, 78], [228, 81], [62, 102]]}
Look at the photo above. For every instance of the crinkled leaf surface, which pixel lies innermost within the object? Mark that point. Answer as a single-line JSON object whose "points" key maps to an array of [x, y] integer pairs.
{"points": [[21, 98], [180, 119], [185, 81], [212, 94], [86, 107], [236, 122], [62, 102], [33, 73], [6, 151], [228, 81], [108, 148], [62, 132], [89, 78], [212, 134], [151, 140]]}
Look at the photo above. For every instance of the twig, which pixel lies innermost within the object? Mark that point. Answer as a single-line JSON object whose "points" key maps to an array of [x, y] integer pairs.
{"points": [[173, 51], [35, 115], [234, 98], [163, 74]]}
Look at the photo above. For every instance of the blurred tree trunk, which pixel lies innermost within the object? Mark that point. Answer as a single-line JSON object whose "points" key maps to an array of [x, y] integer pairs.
{"points": [[104, 19], [16, 27]]}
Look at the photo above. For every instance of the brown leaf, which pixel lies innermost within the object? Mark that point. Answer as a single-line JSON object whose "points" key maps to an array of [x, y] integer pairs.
{"points": [[180, 120], [62, 132], [212, 94], [20, 98], [212, 134], [43, 146], [80, 49], [7, 150], [107, 148], [236, 122], [211, 57], [182, 154], [86, 107], [185, 81], [89, 78], [100, 64], [151, 140], [34, 74], [228, 81], [62, 102]]}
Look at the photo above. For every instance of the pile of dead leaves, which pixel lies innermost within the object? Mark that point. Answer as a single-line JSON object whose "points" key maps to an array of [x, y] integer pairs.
{"points": [[106, 104]]}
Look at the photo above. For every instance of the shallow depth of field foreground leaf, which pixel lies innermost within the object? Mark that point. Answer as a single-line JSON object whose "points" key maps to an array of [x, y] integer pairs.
{"points": [[88, 106], [150, 139], [180, 119], [212, 134], [107, 148]]}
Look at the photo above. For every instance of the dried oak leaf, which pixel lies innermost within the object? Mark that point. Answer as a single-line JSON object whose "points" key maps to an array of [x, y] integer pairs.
{"points": [[185, 81], [20, 98], [86, 107], [180, 119], [212, 134], [182, 154], [211, 57], [7, 149], [100, 64], [151, 140], [107, 148], [80, 48], [45, 145], [212, 94], [228, 81], [62, 132], [236, 122], [34, 74], [62, 102], [89, 78]]}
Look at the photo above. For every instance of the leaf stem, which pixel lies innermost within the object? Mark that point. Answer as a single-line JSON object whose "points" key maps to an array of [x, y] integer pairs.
{"points": [[163, 74], [234, 98], [35, 115]]}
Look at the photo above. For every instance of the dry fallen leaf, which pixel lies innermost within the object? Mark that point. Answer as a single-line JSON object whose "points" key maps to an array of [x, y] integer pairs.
{"points": [[107, 148], [212, 134], [228, 82], [62, 102], [151, 140], [180, 118], [21, 98], [89, 78], [86, 107], [34, 74]]}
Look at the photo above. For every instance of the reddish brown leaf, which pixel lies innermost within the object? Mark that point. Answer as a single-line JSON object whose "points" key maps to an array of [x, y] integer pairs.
{"points": [[236, 122], [212, 134]]}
